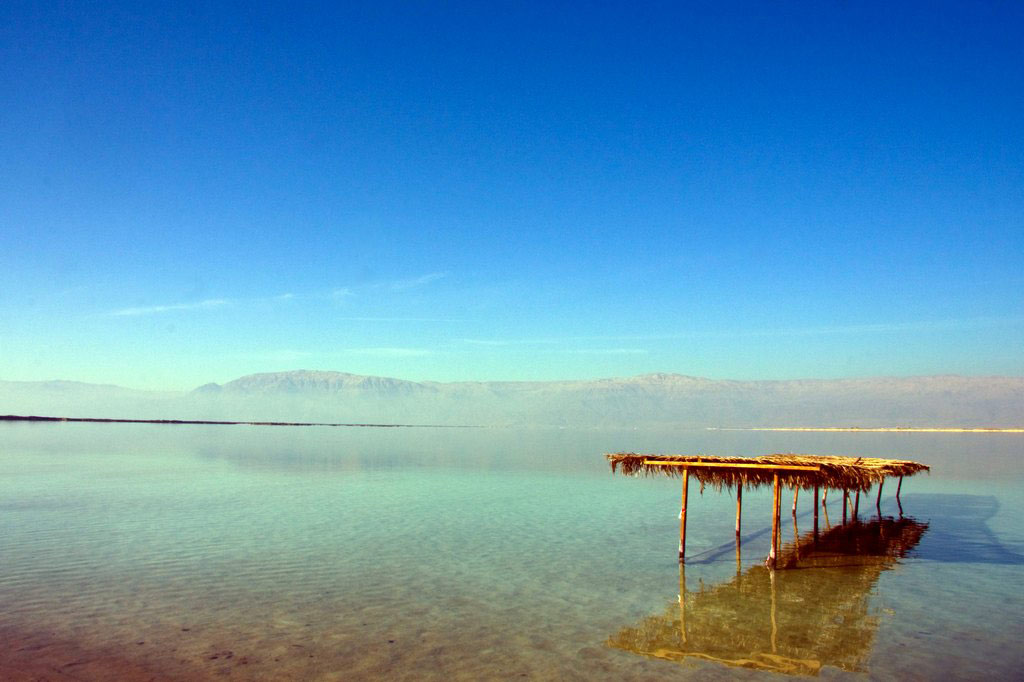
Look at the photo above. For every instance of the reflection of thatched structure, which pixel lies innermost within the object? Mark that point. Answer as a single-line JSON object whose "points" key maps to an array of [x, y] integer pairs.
{"points": [[784, 621], [803, 471], [799, 472]]}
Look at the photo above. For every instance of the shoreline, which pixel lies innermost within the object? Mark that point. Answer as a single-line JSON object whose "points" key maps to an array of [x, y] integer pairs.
{"points": [[870, 429], [210, 422]]}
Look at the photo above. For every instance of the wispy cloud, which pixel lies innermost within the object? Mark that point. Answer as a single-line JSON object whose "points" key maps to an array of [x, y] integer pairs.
{"points": [[281, 355], [398, 319], [403, 284], [157, 309], [513, 342], [603, 351], [341, 293], [552, 346], [825, 330], [389, 352]]}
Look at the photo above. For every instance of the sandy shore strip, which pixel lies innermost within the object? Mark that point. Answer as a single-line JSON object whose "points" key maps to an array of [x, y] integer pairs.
{"points": [[871, 429], [39, 657]]}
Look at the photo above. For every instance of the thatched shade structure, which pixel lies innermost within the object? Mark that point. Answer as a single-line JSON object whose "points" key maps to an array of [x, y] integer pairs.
{"points": [[826, 471], [799, 472]]}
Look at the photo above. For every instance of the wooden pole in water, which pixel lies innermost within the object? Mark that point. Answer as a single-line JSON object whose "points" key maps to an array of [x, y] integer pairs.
{"points": [[878, 502], [739, 508], [796, 491], [815, 510], [772, 555], [796, 539], [845, 494], [856, 507], [824, 510], [682, 516], [898, 503]]}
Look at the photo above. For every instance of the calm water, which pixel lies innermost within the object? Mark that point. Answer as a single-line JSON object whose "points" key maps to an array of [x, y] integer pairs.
{"points": [[338, 554]]}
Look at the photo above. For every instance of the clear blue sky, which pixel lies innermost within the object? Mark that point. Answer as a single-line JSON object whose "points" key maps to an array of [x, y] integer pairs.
{"points": [[449, 191]]}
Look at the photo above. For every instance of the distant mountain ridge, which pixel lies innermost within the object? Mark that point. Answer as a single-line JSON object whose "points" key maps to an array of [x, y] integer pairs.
{"points": [[649, 399]]}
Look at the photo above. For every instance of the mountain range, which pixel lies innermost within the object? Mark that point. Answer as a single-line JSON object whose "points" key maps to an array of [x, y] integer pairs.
{"points": [[646, 400]]}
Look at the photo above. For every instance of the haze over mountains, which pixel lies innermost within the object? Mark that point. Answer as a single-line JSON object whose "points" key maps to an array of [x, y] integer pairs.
{"points": [[647, 400]]}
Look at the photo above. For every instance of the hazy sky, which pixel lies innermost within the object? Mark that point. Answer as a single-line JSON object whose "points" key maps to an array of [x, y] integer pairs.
{"points": [[479, 190]]}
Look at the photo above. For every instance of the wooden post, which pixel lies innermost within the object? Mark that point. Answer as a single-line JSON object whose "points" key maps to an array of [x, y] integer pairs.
{"points": [[773, 554], [898, 503], [796, 539], [878, 502], [856, 508], [815, 510], [739, 508], [845, 494], [796, 491], [682, 516]]}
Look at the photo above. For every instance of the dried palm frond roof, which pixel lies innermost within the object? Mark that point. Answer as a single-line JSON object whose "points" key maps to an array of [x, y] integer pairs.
{"points": [[827, 471]]}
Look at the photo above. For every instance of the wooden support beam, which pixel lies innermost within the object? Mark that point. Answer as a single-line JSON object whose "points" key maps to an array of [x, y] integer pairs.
{"points": [[878, 502], [739, 509], [845, 495], [727, 465], [898, 503], [815, 511], [778, 519], [796, 492], [776, 494], [856, 507], [682, 517]]}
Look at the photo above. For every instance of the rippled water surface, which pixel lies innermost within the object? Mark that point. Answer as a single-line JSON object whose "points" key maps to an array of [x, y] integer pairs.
{"points": [[322, 554]]}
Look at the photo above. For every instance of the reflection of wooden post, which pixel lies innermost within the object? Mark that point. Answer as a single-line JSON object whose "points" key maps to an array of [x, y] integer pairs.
{"points": [[771, 578], [739, 509], [845, 494], [878, 502], [682, 515], [815, 510], [682, 601], [772, 555]]}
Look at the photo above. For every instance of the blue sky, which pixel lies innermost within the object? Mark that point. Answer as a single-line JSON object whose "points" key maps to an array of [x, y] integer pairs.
{"points": [[472, 191]]}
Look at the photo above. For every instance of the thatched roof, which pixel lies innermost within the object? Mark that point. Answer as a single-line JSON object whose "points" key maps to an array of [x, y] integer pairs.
{"points": [[853, 473]]}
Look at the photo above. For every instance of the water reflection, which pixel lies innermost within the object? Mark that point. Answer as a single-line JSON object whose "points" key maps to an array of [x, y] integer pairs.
{"points": [[785, 621]]}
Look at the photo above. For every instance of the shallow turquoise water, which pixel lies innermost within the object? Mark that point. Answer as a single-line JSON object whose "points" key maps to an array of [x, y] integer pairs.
{"points": [[319, 553]]}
